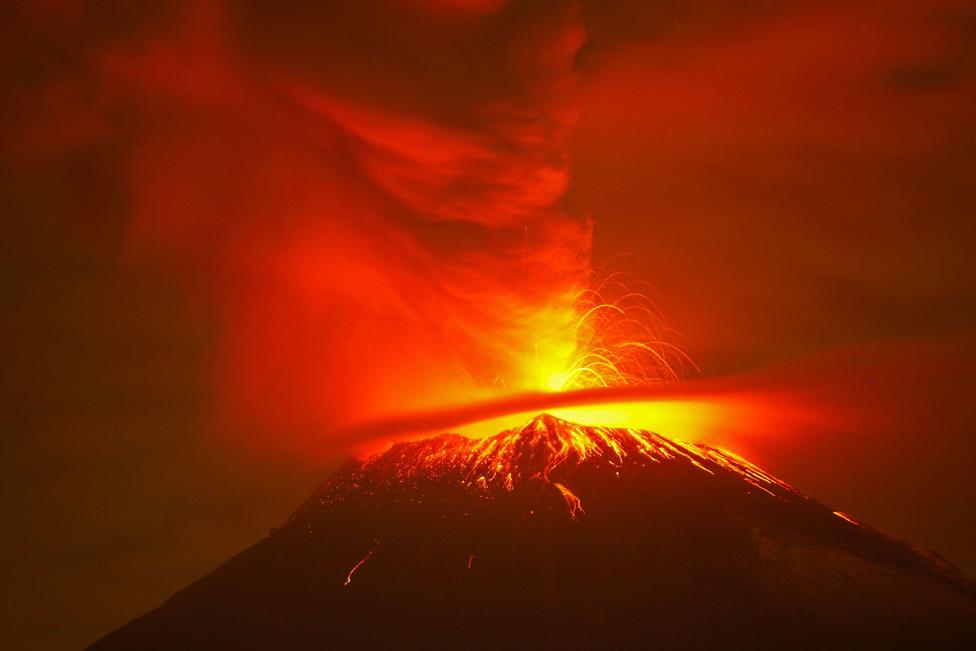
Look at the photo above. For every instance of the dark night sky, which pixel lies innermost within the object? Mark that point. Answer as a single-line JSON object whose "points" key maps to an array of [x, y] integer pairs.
{"points": [[797, 180]]}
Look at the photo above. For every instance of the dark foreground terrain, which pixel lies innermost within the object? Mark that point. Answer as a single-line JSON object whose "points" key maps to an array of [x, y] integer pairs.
{"points": [[561, 536]]}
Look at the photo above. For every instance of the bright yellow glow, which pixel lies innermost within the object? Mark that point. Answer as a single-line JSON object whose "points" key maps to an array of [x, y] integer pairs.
{"points": [[729, 420], [687, 420], [557, 381], [613, 336]]}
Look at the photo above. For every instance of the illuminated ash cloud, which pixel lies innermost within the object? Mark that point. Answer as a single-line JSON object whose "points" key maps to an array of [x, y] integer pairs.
{"points": [[369, 193]]}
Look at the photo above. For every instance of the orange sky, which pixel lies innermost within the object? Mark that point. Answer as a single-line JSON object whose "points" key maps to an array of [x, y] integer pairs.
{"points": [[230, 227]]}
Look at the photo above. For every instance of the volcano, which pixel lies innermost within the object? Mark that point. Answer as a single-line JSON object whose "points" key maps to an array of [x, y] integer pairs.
{"points": [[556, 535]]}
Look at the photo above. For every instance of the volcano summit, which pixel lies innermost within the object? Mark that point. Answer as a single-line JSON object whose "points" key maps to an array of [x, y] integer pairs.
{"points": [[555, 535]]}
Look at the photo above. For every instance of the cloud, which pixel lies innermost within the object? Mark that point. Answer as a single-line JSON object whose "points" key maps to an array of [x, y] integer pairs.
{"points": [[798, 175], [364, 248]]}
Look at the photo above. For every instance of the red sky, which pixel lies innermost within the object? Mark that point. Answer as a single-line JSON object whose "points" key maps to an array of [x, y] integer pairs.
{"points": [[230, 228]]}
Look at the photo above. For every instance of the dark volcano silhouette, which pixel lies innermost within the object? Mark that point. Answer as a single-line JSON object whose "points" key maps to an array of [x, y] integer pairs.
{"points": [[555, 535]]}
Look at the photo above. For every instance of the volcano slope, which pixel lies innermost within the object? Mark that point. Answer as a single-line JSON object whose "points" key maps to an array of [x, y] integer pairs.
{"points": [[556, 535]]}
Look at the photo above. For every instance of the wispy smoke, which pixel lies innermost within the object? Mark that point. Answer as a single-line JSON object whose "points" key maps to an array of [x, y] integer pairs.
{"points": [[370, 195]]}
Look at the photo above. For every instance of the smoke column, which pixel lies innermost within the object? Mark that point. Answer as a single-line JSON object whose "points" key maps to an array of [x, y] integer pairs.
{"points": [[368, 196]]}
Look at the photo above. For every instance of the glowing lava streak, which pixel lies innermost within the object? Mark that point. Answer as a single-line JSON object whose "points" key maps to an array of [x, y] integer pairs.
{"points": [[356, 567], [573, 503], [844, 516]]}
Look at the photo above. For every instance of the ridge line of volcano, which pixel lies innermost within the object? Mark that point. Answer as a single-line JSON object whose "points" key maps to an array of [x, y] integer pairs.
{"points": [[545, 443]]}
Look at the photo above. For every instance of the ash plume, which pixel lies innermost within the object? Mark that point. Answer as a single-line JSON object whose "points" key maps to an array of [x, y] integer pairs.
{"points": [[368, 194]]}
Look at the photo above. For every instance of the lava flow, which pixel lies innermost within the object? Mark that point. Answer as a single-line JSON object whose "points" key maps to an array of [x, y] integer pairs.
{"points": [[547, 450], [585, 537]]}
